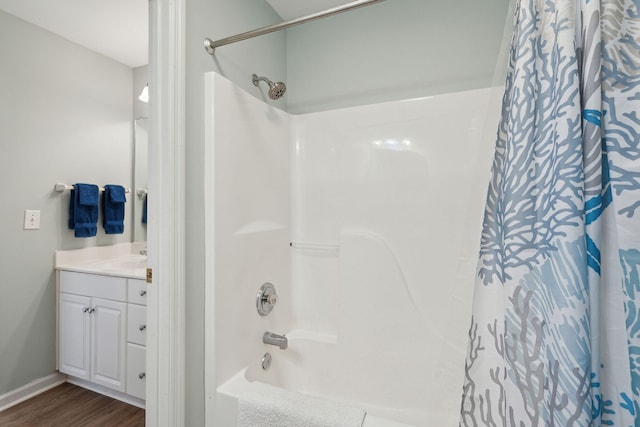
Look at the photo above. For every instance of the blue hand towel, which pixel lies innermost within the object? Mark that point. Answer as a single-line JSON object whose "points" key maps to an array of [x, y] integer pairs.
{"points": [[113, 201], [83, 210], [144, 209]]}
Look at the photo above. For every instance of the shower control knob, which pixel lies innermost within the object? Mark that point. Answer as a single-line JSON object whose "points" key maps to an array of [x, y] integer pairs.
{"points": [[266, 299]]}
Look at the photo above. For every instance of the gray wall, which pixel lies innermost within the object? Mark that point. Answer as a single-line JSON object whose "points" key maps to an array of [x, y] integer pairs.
{"points": [[397, 49], [265, 56], [65, 116]]}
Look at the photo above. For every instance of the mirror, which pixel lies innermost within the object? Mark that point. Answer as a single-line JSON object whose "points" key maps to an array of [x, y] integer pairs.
{"points": [[140, 167]]}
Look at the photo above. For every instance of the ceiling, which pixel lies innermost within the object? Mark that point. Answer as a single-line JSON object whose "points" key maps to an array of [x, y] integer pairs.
{"points": [[289, 9], [119, 29]]}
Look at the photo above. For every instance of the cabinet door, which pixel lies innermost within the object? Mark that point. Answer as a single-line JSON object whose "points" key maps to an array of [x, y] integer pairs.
{"points": [[75, 335], [108, 343]]}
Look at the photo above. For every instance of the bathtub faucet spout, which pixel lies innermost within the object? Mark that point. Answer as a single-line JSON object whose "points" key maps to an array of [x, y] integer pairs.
{"points": [[275, 339]]}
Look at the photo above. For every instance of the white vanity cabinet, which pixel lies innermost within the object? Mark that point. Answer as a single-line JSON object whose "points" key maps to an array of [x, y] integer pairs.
{"points": [[96, 326]]}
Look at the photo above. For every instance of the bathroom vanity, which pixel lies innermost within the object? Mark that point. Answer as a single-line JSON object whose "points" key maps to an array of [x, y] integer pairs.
{"points": [[101, 319]]}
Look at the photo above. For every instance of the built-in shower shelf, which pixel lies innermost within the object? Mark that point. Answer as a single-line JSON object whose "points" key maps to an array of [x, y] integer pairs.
{"points": [[315, 246]]}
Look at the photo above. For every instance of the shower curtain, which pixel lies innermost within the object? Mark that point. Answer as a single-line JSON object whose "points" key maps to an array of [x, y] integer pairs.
{"points": [[555, 331]]}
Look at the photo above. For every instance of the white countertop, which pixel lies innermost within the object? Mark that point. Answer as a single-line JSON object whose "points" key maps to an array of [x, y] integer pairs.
{"points": [[122, 260]]}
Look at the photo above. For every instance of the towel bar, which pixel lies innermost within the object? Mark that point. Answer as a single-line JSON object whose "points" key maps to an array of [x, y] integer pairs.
{"points": [[63, 187]]}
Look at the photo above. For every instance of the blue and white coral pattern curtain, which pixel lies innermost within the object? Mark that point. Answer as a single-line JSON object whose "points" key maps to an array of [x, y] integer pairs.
{"points": [[555, 333]]}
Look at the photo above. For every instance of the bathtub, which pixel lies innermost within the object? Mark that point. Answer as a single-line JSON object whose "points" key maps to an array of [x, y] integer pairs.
{"points": [[229, 394]]}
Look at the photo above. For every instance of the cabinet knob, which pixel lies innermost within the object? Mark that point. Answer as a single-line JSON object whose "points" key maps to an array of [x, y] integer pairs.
{"points": [[143, 293], [141, 375], [85, 310], [142, 327], [91, 310]]}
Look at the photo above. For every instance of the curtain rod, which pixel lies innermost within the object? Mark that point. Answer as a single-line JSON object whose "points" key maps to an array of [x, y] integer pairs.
{"points": [[211, 45]]}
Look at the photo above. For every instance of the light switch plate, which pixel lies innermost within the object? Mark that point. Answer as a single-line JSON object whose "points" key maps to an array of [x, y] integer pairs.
{"points": [[31, 220]]}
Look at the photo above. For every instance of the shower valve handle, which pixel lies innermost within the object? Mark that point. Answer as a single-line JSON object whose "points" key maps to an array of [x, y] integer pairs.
{"points": [[271, 299], [266, 299]]}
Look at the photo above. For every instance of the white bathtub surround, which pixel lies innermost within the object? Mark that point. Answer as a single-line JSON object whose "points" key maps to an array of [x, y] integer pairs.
{"points": [[247, 234], [267, 406], [383, 204]]}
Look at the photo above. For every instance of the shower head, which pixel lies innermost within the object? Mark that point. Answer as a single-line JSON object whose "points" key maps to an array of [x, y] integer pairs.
{"points": [[276, 90]]}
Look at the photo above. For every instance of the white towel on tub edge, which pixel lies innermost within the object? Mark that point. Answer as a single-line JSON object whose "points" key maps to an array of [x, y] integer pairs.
{"points": [[268, 406]]}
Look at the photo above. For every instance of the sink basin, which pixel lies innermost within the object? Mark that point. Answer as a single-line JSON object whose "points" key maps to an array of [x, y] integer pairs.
{"points": [[129, 263], [124, 264]]}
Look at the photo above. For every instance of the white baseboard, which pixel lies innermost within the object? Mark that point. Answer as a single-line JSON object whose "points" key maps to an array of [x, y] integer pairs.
{"points": [[108, 392], [30, 390]]}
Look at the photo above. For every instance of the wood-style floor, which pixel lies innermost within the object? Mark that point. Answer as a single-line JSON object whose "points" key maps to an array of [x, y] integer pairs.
{"points": [[68, 405]]}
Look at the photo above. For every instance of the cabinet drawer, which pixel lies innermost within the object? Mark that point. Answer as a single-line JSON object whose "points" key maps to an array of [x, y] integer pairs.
{"points": [[107, 287], [136, 371], [137, 291], [137, 324]]}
